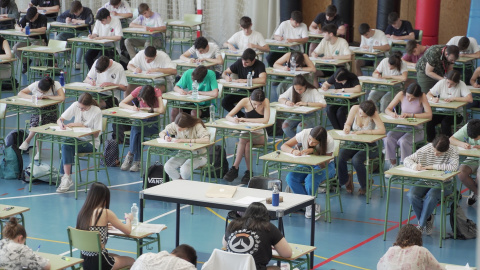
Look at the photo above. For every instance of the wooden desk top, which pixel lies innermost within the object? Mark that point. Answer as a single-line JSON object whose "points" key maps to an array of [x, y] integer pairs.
{"points": [[402, 121], [238, 52], [89, 40], [398, 41], [473, 89], [13, 32], [182, 23], [372, 80], [358, 50], [85, 87], [448, 105], [465, 59], [140, 30], [43, 49], [280, 156], [297, 252], [18, 101], [186, 98], [225, 124], [316, 35], [45, 129], [469, 152], [57, 262], [239, 85], [68, 25], [5, 19], [363, 138], [427, 174], [135, 234], [41, 11], [273, 42], [144, 75], [126, 113], [331, 94], [284, 73], [331, 62], [182, 63], [295, 109], [12, 212], [177, 146]]}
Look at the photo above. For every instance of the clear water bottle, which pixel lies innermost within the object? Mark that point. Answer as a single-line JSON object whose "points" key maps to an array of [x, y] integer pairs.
{"points": [[35, 99], [134, 212], [293, 65], [249, 79], [195, 90], [212, 113], [27, 29], [62, 79], [275, 196]]}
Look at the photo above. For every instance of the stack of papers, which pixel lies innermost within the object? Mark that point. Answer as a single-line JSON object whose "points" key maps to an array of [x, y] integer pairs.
{"points": [[372, 79]]}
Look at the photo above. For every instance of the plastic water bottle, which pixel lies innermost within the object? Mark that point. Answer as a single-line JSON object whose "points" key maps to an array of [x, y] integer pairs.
{"points": [[134, 212], [195, 90], [249, 79], [212, 113], [62, 79], [293, 65], [35, 99], [27, 29], [275, 196]]}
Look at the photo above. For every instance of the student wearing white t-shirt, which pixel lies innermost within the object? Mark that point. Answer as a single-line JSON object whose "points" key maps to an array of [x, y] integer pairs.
{"points": [[46, 88], [371, 39], [87, 114], [313, 141], [389, 68], [150, 21], [106, 27], [468, 46], [247, 38], [301, 93], [204, 51], [119, 8], [449, 89], [152, 61]]}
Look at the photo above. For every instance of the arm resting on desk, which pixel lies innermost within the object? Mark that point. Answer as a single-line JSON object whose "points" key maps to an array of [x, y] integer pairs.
{"points": [[283, 248]]}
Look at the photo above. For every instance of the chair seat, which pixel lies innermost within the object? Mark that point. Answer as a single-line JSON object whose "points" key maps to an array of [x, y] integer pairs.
{"points": [[87, 154], [127, 133], [181, 40], [41, 68]]}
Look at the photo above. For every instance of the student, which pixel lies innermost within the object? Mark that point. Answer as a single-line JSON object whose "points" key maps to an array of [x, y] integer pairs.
{"points": [[38, 24], [475, 81], [150, 21], [47, 6], [414, 51], [186, 129], [9, 9], [247, 38], [255, 226], [467, 46], [257, 110], [77, 14], [207, 86], [204, 51], [88, 115], [371, 39], [408, 253], [414, 104], [343, 81], [302, 63], [449, 89], [362, 119], [399, 29], [389, 68], [106, 27], [293, 30], [242, 67], [183, 257], [313, 141], [46, 88], [96, 215], [468, 137], [329, 17], [438, 155], [13, 251], [118, 8], [301, 93], [5, 54], [434, 64], [150, 100], [152, 61]]}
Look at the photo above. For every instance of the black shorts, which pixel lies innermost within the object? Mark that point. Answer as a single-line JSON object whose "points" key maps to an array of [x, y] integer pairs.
{"points": [[91, 262]]}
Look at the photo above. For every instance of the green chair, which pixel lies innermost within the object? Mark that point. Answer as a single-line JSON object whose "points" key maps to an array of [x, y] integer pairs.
{"points": [[3, 112], [38, 72], [209, 167], [187, 35], [85, 241]]}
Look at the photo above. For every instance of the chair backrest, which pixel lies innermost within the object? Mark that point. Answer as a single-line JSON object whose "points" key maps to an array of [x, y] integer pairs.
{"points": [[220, 90], [228, 260], [84, 240], [3, 110], [213, 133], [58, 44], [418, 35], [192, 17], [273, 115]]}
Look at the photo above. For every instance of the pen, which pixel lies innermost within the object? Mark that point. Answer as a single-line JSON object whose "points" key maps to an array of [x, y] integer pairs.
{"points": [[38, 247], [465, 139], [8, 208], [168, 134]]}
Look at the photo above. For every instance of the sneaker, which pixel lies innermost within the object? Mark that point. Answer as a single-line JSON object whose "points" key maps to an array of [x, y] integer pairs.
{"points": [[78, 66], [65, 184], [472, 199], [308, 212], [246, 177], [135, 166], [127, 163], [231, 175], [421, 229], [429, 225], [24, 146], [37, 156]]}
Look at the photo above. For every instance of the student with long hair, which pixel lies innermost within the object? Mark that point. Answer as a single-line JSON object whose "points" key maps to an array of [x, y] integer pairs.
{"points": [[149, 99], [302, 63], [301, 93], [14, 253], [87, 114], [313, 141], [186, 129], [46, 88], [96, 215], [255, 226], [257, 110]]}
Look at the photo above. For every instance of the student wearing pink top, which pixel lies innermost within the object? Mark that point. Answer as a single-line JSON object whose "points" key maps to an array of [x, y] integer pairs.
{"points": [[414, 51]]}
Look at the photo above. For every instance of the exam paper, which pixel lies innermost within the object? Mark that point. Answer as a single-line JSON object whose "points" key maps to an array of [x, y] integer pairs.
{"points": [[162, 141], [57, 128], [248, 200], [405, 169], [128, 110], [82, 130], [142, 114]]}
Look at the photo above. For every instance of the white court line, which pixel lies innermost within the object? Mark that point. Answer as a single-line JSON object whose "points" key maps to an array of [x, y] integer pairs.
{"points": [[67, 252], [272, 172], [164, 214]]}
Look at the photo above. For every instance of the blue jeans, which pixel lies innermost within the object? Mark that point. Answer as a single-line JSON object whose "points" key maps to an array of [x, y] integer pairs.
{"points": [[64, 37], [68, 153], [358, 161], [135, 147], [424, 200], [301, 183], [291, 127]]}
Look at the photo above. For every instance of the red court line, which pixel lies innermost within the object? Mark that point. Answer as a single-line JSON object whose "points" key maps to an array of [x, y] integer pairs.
{"points": [[4, 194], [382, 220]]}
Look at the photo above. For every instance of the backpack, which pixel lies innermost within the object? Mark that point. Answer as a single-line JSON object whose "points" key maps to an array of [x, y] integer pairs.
{"points": [[11, 166], [12, 137], [7, 85], [466, 228], [41, 172], [155, 175], [219, 171], [111, 154]]}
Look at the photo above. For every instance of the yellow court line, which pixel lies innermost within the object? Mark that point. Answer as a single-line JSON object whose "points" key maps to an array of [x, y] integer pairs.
{"points": [[215, 213], [61, 242]]}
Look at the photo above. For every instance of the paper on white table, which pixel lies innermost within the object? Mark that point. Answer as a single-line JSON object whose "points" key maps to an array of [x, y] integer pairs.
{"points": [[179, 61], [162, 141], [57, 128], [465, 149], [341, 133], [274, 41], [297, 72], [128, 110], [142, 114], [79, 84], [292, 155], [248, 200], [149, 228], [82, 130], [440, 101], [409, 170], [303, 109]]}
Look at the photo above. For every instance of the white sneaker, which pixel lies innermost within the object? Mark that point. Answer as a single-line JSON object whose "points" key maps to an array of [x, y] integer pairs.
{"points": [[429, 225], [24, 146], [135, 166], [78, 66], [37, 156], [317, 212], [127, 163], [308, 212], [65, 184]]}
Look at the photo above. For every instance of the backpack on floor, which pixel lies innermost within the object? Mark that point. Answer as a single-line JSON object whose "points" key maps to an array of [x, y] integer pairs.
{"points": [[111, 154], [466, 228], [155, 175], [11, 166], [12, 137], [41, 172], [220, 171]]}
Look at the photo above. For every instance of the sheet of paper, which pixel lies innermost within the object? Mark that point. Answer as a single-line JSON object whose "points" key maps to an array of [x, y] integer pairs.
{"points": [[24, 99], [162, 141], [221, 191], [179, 61], [286, 71], [115, 231], [144, 73], [464, 149], [128, 110], [57, 128], [79, 84], [292, 155], [405, 169], [142, 114], [303, 109], [386, 116], [248, 200], [353, 48], [150, 228], [440, 101], [230, 84], [175, 22], [42, 49], [82, 130], [341, 133], [372, 79], [274, 41]]}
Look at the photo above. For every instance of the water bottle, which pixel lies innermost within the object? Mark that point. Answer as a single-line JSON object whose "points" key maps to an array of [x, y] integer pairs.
{"points": [[35, 99], [293, 65], [62, 79], [195, 90], [275, 196], [212, 113], [134, 212], [249, 79], [27, 29]]}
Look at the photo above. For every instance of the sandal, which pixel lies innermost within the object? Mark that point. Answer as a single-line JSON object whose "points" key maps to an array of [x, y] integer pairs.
{"points": [[361, 191], [349, 184]]}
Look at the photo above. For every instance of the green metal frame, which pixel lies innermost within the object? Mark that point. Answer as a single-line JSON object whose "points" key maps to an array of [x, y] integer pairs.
{"points": [[88, 46], [11, 79], [143, 242]]}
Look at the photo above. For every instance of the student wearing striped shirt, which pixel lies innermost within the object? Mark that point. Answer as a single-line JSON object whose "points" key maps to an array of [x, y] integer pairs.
{"points": [[438, 155]]}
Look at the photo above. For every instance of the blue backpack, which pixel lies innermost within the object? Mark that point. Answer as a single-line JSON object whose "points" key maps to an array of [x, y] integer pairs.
{"points": [[11, 166]]}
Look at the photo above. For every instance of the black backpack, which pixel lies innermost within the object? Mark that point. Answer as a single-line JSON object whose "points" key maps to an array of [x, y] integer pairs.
{"points": [[466, 228], [155, 175], [219, 171], [12, 137], [111, 153]]}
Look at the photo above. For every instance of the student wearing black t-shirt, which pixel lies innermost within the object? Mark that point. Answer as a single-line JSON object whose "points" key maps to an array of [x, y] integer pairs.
{"points": [[47, 5], [398, 29], [330, 16], [241, 67], [344, 82]]}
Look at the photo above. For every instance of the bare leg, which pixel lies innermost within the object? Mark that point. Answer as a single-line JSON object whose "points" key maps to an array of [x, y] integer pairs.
{"points": [[317, 74], [30, 136], [359, 64], [247, 149], [240, 152], [393, 162], [67, 168], [174, 113], [122, 261], [466, 179], [194, 113]]}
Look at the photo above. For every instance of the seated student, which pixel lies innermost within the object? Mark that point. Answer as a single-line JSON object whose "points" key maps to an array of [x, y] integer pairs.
{"points": [[345, 82], [38, 24], [257, 110], [389, 68], [247, 38], [13, 251], [185, 129], [468, 137], [293, 30], [150, 21], [87, 114], [207, 86], [118, 8], [362, 119], [329, 17], [255, 226], [150, 100], [204, 51], [95, 215], [9, 9], [47, 5], [475, 81], [302, 63], [399, 29], [438, 155], [152, 61], [5, 54], [313, 141], [46, 88], [106, 27], [80, 15], [183, 257], [449, 89], [414, 104], [241, 68], [408, 253], [301, 93], [371, 39], [468, 46], [414, 51]]}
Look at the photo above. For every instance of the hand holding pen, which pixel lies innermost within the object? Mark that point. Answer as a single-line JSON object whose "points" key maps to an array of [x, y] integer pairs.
{"points": [[168, 138], [135, 108]]}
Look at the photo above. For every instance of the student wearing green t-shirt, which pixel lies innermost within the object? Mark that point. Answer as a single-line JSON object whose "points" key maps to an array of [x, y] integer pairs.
{"points": [[468, 137], [207, 86]]}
